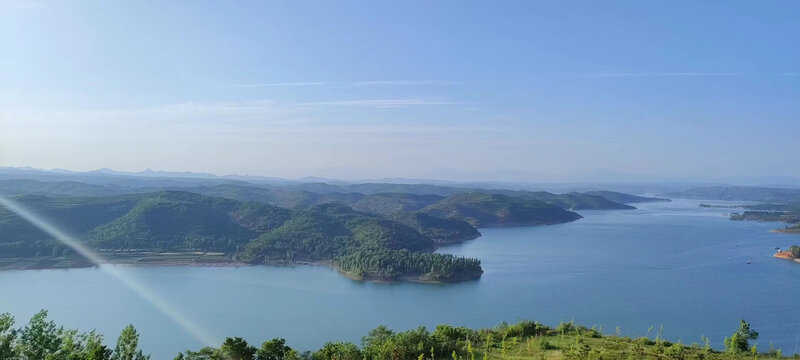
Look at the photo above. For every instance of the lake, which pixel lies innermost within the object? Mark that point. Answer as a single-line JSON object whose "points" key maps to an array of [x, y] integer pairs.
{"points": [[666, 264]]}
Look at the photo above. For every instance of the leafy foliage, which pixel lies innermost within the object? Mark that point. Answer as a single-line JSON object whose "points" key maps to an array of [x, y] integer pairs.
{"points": [[795, 250], [739, 342], [338, 351], [128, 346], [43, 339]]}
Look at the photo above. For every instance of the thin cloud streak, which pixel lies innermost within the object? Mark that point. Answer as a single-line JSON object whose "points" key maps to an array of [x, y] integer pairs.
{"points": [[283, 84], [262, 112], [382, 103], [357, 83], [404, 83], [667, 74]]}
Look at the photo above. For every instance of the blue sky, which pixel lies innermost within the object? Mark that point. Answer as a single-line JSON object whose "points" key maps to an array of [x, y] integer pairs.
{"points": [[525, 91]]}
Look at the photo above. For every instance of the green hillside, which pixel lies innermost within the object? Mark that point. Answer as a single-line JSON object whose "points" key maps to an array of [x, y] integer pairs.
{"points": [[484, 210], [390, 203], [362, 245], [326, 231], [78, 214], [440, 230], [181, 220]]}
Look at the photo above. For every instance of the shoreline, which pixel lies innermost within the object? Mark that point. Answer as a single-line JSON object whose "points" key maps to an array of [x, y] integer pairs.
{"points": [[785, 255], [28, 264], [786, 231]]}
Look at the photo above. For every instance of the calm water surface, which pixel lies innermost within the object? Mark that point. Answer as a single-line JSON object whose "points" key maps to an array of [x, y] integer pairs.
{"points": [[665, 264]]}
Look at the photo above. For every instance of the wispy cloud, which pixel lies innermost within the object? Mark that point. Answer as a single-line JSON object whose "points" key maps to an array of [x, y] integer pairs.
{"points": [[281, 84], [668, 74], [383, 103], [232, 112], [403, 83], [356, 83]]}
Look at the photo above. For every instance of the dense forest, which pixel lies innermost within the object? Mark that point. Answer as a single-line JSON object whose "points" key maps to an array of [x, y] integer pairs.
{"points": [[372, 263], [41, 339]]}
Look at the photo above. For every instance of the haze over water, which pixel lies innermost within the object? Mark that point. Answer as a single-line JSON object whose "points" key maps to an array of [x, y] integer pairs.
{"points": [[663, 264]]}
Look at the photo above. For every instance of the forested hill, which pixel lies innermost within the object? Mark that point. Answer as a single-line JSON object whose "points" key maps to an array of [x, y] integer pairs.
{"points": [[482, 210], [568, 201], [624, 198], [390, 203], [377, 198], [441, 230]]}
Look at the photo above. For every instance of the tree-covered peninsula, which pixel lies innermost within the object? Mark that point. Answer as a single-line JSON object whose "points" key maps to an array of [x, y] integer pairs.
{"points": [[203, 230], [786, 213], [624, 198]]}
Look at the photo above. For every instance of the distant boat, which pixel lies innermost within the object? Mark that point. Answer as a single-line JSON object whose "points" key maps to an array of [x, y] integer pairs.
{"points": [[749, 262], [730, 258]]}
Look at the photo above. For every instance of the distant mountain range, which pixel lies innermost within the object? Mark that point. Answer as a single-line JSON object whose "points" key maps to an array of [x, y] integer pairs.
{"points": [[589, 181]]}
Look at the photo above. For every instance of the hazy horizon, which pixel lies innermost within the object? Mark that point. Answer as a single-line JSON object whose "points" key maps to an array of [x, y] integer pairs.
{"points": [[597, 178], [458, 91]]}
